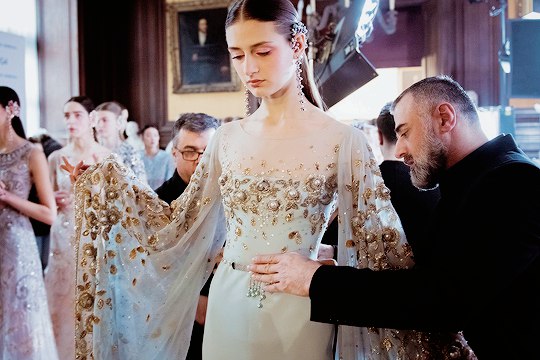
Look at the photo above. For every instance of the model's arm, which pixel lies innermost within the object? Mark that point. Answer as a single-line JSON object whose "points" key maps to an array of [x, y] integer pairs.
{"points": [[45, 211]]}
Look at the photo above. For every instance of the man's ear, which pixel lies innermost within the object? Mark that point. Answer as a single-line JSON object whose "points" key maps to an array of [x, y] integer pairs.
{"points": [[447, 115], [381, 139]]}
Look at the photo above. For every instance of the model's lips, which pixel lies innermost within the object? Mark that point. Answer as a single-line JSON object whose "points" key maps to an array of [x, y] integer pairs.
{"points": [[255, 82]]}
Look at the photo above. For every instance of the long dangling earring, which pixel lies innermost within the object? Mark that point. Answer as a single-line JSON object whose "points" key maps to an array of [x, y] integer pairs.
{"points": [[246, 100], [298, 28], [299, 84]]}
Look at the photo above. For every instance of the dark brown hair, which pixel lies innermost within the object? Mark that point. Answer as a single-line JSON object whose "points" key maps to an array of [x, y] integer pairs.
{"points": [[386, 124]]}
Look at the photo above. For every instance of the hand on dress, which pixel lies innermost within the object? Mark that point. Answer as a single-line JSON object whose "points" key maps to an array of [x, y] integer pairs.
{"points": [[73, 171], [290, 273]]}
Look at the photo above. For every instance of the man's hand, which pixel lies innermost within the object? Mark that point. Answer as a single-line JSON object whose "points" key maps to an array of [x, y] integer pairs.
{"points": [[290, 273]]}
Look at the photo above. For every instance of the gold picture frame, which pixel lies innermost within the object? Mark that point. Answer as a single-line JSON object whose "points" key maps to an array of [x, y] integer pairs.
{"points": [[201, 62]]}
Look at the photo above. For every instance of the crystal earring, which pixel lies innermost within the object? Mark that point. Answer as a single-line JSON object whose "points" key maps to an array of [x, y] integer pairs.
{"points": [[246, 100], [299, 84]]}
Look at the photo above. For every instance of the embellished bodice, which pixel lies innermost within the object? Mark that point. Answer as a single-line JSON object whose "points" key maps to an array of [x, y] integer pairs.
{"points": [[263, 213], [279, 204], [15, 173]]}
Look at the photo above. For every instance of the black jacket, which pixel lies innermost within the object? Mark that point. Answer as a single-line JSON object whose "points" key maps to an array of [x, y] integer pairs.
{"points": [[482, 265], [171, 189]]}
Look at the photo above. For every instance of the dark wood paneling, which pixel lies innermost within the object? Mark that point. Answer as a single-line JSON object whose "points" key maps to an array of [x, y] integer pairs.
{"points": [[123, 55], [462, 41]]}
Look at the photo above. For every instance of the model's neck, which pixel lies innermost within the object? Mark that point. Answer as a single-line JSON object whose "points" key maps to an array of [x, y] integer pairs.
{"points": [[80, 144], [151, 151], [9, 140], [111, 143]]}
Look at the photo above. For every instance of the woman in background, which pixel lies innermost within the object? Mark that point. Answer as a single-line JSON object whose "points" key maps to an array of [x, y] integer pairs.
{"points": [[59, 281], [25, 324], [159, 164], [111, 118]]}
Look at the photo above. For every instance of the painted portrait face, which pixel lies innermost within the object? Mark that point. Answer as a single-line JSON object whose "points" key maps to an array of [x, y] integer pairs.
{"points": [[419, 144], [203, 25], [262, 57], [77, 120]]}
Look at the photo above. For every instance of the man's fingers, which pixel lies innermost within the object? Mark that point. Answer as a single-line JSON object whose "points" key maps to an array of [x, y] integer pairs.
{"points": [[264, 259], [263, 268]]}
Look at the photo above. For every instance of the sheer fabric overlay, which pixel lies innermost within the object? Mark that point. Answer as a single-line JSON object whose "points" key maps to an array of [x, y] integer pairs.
{"points": [[140, 264], [59, 275]]}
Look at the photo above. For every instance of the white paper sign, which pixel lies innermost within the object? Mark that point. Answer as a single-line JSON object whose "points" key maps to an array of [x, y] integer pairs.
{"points": [[12, 49]]}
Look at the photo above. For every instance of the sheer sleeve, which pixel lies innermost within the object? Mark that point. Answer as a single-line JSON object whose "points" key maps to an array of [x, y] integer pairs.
{"points": [[141, 264], [370, 236], [54, 164]]}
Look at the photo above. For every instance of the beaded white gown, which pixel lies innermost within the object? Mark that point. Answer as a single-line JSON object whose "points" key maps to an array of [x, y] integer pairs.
{"points": [[25, 323], [140, 267], [59, 279]]}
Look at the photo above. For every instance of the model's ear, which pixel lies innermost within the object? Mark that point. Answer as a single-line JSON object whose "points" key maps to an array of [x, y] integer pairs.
{"points": [[447, 116], [299, 44], [381, 139]]}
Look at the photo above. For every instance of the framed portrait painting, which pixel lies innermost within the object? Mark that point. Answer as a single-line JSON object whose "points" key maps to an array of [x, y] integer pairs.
{"points": [[198, 47]]}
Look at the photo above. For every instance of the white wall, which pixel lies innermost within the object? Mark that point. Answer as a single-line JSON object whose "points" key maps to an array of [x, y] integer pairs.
{"points": [[19, 18]]}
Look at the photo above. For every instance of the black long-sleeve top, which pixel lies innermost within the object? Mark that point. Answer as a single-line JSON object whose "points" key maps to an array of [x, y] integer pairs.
{"points": [[482, 265]]}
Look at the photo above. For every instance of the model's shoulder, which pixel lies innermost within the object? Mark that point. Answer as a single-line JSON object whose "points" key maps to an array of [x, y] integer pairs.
{"points": [[229, 128]]}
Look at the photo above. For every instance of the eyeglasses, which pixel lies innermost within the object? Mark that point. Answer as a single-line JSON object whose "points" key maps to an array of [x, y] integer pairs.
{"points": [[190, 155]]}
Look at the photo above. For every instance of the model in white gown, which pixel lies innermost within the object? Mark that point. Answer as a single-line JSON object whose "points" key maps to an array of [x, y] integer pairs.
{"points": [[140, 270]]}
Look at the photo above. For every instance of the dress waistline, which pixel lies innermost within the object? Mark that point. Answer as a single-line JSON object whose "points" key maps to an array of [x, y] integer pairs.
{"points": [[235, 265]]}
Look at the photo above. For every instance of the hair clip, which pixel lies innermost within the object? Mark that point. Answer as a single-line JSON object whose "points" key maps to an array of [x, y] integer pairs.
{"points": [[298, 28]]}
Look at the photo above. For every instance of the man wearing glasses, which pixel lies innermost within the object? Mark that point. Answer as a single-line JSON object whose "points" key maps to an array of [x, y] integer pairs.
{"points": [[191, 134]]}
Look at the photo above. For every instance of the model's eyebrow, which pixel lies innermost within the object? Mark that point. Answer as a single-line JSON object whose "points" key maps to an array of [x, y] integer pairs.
{"points": [[252, 46]]}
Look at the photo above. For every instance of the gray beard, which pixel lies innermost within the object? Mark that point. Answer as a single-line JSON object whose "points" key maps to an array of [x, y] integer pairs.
{"points": [[426, 171]]}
